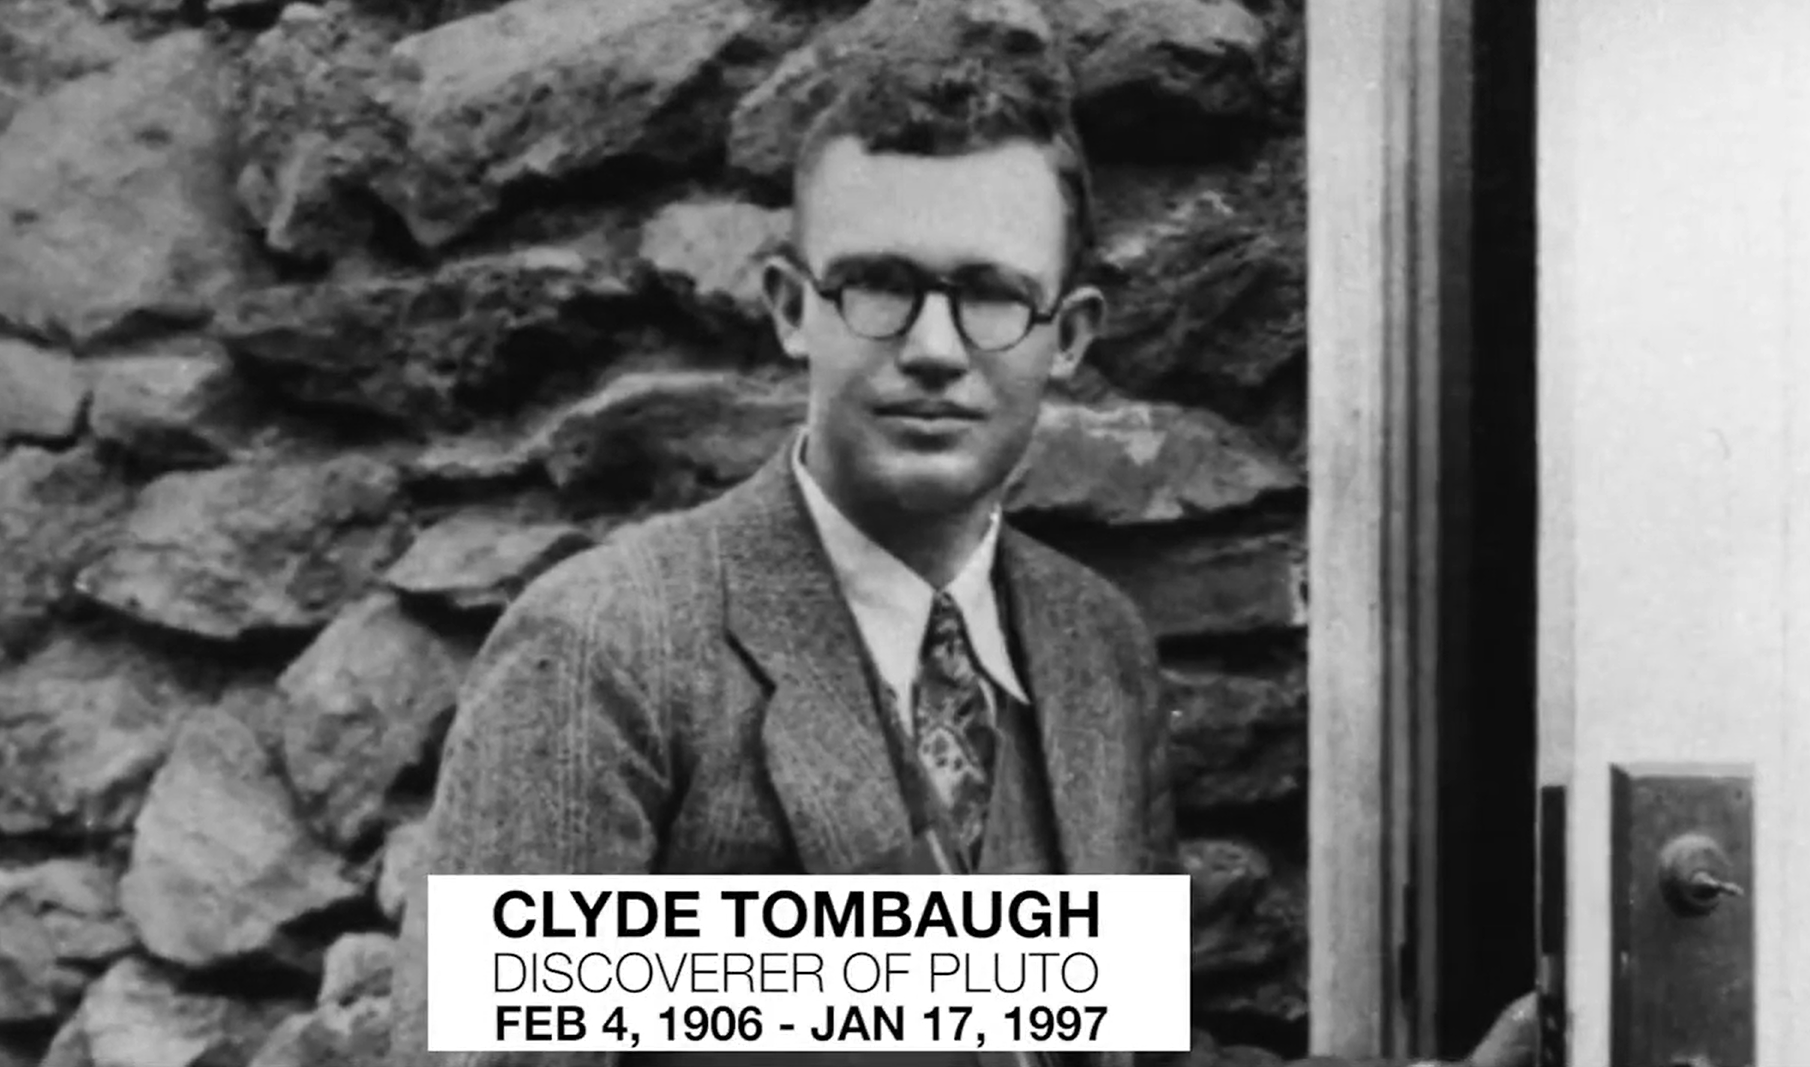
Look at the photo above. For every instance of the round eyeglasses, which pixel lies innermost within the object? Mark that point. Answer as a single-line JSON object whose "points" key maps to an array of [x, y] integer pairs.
{"points": [[884, 309]]}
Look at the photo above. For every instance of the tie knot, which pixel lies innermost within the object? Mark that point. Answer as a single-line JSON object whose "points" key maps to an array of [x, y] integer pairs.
{"points": [[945, 627]]}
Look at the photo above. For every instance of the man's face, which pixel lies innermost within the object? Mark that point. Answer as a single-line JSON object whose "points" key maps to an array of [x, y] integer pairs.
{"points": [[928, 421]]}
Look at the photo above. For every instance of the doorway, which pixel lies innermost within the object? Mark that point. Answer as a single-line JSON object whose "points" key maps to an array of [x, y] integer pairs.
{"points": [[1423, 534], [1485, 912]]}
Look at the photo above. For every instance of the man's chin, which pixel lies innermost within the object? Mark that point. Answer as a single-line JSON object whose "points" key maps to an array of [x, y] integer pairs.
{"points": [[932, 484]]}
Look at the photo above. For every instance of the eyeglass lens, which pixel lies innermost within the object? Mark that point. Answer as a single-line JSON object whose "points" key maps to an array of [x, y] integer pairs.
{"points": [[882, 308]]}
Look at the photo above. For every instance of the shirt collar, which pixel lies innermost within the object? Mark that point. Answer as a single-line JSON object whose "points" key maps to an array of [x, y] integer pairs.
{"points": [[891, 602]]}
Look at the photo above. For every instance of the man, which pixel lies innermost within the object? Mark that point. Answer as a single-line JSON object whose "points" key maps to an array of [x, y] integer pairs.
{"points": [[849, 654]]}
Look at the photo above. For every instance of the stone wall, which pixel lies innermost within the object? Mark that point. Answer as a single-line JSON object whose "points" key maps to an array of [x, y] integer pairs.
{"points": [[325, 328]]}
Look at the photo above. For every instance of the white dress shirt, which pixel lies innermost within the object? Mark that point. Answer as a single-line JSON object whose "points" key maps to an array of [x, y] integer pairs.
{"points": [[891, 602]]}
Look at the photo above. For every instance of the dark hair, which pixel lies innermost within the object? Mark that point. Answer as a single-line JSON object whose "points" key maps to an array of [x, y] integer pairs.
{"points": [[925, 108]]}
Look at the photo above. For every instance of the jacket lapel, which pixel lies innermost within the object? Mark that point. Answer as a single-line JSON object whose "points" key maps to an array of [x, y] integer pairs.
{"points": [[1080, 707], [825, 751]]}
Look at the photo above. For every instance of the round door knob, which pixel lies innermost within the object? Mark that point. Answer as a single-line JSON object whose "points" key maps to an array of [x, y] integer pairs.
{"points": [[1694, 875]]}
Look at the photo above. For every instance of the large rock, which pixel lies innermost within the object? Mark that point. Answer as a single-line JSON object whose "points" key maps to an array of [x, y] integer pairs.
{"points": [[430, 350], [151, 15], [1250, 932], [172, 405], [1247, 915], [42, 393], [479, 562], [1224, 875], [670, 438], [44, 43], [253, 548], [404, 860], [1272, 997], [85, 722], [709, 252], [60, 924], [1138, 463], [770, 121], [21, 1049], [357, 966], [1284, 62], [334, 1035], [487, 459], [1236, 740], [58, 513], [222, 866], [1208, 296], [552, 89], [351, 1025], [136, 1016], [1160, 79], [115, 201], [369, 700], [316, 131], [1188, 584]]}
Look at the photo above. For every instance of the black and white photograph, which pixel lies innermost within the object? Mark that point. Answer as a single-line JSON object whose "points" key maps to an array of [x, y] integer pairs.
{"points": [[946, 533]]}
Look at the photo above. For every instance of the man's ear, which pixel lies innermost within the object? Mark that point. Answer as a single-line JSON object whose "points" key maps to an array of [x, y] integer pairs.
{"points": [[782, 288], [1082, 317]]}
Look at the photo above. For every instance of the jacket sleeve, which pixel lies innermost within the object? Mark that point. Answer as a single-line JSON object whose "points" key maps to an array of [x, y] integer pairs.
{"points": [[1162, 846], [556, 763]]}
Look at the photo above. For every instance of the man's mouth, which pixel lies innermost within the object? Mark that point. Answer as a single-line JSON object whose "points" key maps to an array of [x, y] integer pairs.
{"points": [[929, 411]]}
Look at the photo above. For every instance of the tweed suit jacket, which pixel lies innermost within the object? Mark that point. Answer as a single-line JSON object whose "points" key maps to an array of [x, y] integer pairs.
{"points": [[690, 697]]}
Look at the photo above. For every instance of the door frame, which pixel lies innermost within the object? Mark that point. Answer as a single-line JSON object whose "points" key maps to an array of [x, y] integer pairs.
{"points": [[1389, 125]]}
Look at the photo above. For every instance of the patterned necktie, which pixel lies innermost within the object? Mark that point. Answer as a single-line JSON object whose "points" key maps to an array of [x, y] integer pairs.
{"points": [[953, 720]]}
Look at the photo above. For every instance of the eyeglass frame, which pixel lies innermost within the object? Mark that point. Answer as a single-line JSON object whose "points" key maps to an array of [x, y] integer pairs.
{"points": [[928, 283]]}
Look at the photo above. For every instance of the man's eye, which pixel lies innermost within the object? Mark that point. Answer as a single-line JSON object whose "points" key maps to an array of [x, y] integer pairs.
{"points": [[871, 294], [993, 294], [988, 287], [890, 283]]}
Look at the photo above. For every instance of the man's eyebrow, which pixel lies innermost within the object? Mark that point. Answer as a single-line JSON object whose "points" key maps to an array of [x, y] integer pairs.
{"points": [[857, 260], [983, 271], [968, 270]]}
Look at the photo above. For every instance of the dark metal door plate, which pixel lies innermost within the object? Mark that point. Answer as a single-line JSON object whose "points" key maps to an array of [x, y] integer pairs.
{"points": [[1682, 930]]}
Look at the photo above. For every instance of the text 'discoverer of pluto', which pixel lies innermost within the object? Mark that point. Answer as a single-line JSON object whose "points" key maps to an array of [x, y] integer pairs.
{"points": [[659, 963]]}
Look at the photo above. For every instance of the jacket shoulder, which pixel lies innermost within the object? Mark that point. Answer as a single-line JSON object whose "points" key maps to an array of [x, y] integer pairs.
{"points": [[1079, 585], [1095, 598], [627, 589]]}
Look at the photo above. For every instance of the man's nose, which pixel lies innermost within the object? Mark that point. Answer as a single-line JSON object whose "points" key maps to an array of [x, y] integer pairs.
{"points": [[934, 344]]}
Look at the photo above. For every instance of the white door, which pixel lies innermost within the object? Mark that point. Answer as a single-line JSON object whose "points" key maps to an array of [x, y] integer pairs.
{"points": [[1674, 365]]}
